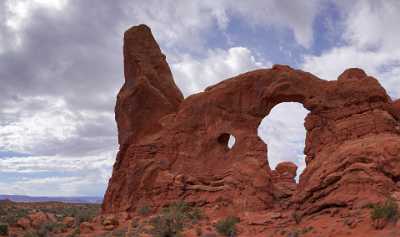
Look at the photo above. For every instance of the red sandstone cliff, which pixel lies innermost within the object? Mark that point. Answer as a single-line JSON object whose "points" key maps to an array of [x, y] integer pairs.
{"points": [[174, 149]]}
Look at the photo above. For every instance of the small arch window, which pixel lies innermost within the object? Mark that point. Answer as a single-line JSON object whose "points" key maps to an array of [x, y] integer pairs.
{"points": [[227, 140]]}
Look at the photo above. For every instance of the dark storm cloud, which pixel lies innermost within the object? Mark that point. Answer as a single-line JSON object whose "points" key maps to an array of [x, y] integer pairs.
{"points": [[73, 54], [92, 136]]}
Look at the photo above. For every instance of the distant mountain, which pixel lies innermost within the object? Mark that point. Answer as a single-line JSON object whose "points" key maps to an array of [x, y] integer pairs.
{"points": [[22, 198]]}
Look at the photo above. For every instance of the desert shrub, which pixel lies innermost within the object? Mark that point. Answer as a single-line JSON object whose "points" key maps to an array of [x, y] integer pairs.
{"points": [[85, 214], [43, 232], [388, 210], [75, 233], [81, 212], [12, 215], [166, 226], [3, 211], [119, 233], [173, 219], [31, 234], [293, 233], [307, 229], [3, 229], [227, 226], [50, 227], [144, 210], [137, 229], [195, 215]]}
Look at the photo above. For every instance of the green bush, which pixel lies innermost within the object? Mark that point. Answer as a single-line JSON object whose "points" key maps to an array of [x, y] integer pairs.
{"points": [[119, 233], [294, 233], [12, 215], [4, 229], [50, 227], [173, 219], [144, 210], [389, 211], [85, 214], [227, 226], [307, 229], [81, 212], [31, 234], [3, 211], [75, 233]]}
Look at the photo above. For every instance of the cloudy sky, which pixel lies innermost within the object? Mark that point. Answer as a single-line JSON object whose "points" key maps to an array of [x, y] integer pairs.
{"points": [[61, 68]]}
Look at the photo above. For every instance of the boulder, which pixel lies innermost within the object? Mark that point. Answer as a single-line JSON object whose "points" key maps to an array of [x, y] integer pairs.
{"points": [[69, 221], [287, 169], [38, 218], [86, 228], [24, 223]]}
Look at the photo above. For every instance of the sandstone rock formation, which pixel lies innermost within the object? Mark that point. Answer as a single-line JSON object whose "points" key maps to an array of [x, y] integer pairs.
{"points": [[395, 109], [283, 178], [174, 149]]}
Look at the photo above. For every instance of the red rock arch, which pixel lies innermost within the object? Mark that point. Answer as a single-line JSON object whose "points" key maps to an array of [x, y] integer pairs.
{"points": [[169, 147]]}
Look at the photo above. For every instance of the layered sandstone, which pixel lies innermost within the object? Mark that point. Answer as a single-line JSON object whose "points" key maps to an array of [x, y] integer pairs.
{"points": [[174, 149]]}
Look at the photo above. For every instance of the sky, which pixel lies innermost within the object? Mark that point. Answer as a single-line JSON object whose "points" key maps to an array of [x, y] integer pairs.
{"points": [[61, 68]]}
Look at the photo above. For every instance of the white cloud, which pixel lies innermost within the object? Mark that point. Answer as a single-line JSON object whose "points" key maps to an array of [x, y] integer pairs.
{"points": [[18, 13], [194, 75], [371, 35], [63, 176], [33, 129], [57, 163], [187, 23], [297, 16], [85, 185], [333, 62], [46, 125], [373, 24], [284, 133]]}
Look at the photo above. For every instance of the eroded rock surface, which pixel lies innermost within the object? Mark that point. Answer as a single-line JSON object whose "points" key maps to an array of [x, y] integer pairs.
{"points": [[174, 149]]}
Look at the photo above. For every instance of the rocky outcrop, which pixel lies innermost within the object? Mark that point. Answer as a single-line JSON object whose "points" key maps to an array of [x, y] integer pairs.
{"points": [[395, 109], [149, 92], [283, 178], [174, 149]]}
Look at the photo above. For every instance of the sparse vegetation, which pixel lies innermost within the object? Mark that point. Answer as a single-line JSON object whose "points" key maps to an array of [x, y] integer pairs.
{"points": [[294, 233], [119, 233], [137, 229], [50, 227], [3, 229], [75, 233], [31, 234], [81, 212], [84, 214], [173, 219], [144, 210], [227, 226], [307, 229], [389, 211], [45, 230], [11, 212]]}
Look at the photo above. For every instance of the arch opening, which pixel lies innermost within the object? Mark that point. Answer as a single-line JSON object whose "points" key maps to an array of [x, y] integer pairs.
{"points": [[227, 140], [284, 133]]}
